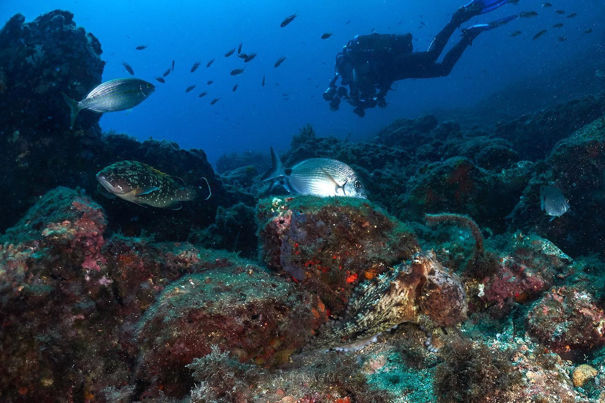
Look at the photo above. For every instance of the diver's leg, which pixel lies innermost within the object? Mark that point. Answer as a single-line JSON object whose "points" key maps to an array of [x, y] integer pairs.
{"points": [[462, 15], [449, 60], [468, 35]]}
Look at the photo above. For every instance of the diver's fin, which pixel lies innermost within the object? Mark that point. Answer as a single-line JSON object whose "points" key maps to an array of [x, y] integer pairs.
{"points": [[277, 168], [74, 109], [471, 32], [485, 6], [148, 191]]}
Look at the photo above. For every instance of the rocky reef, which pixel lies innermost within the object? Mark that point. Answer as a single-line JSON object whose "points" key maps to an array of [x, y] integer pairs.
{"points": [[447, 284]]}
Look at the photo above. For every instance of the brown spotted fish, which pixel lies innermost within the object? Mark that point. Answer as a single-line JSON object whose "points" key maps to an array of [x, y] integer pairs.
{"points": [[142, 184]]}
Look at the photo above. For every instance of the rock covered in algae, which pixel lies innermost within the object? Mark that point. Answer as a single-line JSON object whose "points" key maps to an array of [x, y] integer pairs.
{"points": [[53, 303], [525, 267], [331, 244], [68, 294], [241, 308], [421, 286], [40, 59], [568, 321], [575, 166]]}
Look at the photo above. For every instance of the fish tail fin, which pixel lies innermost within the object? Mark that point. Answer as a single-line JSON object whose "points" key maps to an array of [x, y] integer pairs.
{"points": [[277, 168], [74, 109], [209, 188]]}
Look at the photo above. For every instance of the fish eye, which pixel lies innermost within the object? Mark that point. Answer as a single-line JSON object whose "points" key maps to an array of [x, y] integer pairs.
{"points": [[357, 185]]}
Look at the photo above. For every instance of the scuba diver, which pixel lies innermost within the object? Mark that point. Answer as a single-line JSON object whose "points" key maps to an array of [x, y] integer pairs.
{"points": [[369, 64]]}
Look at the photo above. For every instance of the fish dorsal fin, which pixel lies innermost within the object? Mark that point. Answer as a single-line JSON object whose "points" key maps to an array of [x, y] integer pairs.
{"points": [[148, 191], [336, 185], [277, 168]]}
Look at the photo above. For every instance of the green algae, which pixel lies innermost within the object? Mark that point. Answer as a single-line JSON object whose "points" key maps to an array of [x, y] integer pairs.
{"points": [[405, 384]]}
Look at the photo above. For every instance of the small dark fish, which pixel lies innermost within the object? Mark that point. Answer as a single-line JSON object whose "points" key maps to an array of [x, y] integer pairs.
{"points": [[239, 48], [546, 4], [142, 184], [229, 53], [166, 73], [326, 35], [160, 79], [141, 47], [235, 72], [203, 94], [572, 15], [562, 38], [552, 201], [558, 25], [128, 68], [215, 100], [249, 57], [190, 88], [587, 31], [209, 82], [209, 63], [172, 66], [516, 33], [279, 61], [195, 66], [263, 82], [560, 12], [528, 14], [287, 20], [234, 88], [539, 34]]}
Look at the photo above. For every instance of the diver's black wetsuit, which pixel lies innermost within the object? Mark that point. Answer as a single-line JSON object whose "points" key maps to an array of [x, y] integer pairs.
{"points": [[369, 64]]}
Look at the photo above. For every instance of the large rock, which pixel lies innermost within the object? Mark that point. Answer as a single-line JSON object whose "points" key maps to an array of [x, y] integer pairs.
{"points": [[41, 59], [575, 166], [331, 244], [240, 308], [69, 294], [568, 321], [533, 136], [458, 185]]}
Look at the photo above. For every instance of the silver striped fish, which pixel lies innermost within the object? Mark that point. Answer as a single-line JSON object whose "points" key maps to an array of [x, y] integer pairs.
{"points": [[323, 177], [111, 96]]}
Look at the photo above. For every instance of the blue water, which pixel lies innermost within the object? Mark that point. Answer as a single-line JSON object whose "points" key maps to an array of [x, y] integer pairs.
{"points": [[255, 117]]}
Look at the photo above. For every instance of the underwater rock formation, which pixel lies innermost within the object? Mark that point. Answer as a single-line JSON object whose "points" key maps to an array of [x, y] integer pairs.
{"points": [[458, 185], [331, 244], [526, 266], [575, 165], [41, 59], [69, 293], [239, 307], [568, 321], [533, 136], [53, 309]]}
